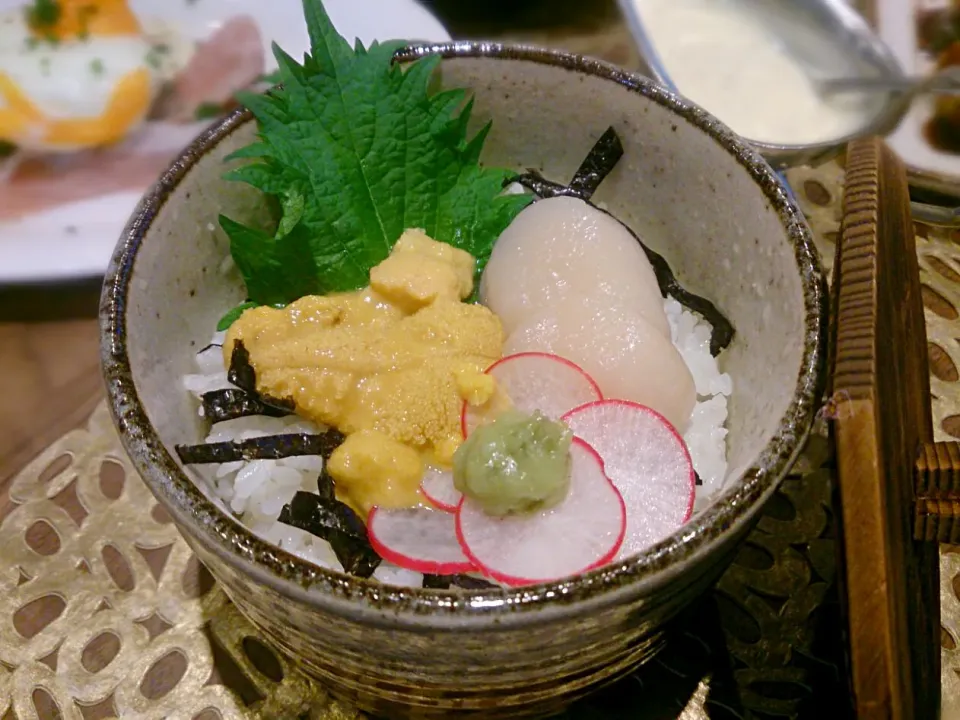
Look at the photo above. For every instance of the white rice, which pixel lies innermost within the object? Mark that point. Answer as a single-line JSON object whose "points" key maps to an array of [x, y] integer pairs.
{"points": [[256, 490], [706, 436]]}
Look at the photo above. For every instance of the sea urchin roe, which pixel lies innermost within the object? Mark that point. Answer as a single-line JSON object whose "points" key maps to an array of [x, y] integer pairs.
{"points": [[420, 271], [398, 357], [372, 466], [518, 463]]}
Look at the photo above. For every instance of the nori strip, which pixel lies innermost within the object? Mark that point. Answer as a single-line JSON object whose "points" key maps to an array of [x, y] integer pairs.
{"points": [[357, 557], [697, 479], [233, 403], [326, 488], [600, 161], [211, 345], [335, 522], [242, 374], [543, 188], [270, 447], [316, 515], [445, 582]]}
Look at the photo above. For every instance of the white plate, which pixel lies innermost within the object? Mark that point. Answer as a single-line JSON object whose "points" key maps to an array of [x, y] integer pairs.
{"points": [[896, 22], [75, 240]]}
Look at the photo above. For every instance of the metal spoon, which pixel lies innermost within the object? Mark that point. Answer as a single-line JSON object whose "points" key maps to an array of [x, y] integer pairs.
{"points": [[944, 82], [935, 214]]}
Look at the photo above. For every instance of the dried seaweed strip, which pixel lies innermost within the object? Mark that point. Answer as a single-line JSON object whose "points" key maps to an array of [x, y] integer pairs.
{"points": [[335, 522], [543, 188], [242, 374], [436, 582], [270, 447], [697, 480], [465, 582], [357, 557], [722, 332], [326, 488], [599, 162], [233, 403], [315, 514]]}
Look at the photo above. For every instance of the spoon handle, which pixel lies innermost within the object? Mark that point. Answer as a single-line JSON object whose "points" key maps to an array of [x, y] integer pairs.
{"points": [[945, 82], [935, 215]]}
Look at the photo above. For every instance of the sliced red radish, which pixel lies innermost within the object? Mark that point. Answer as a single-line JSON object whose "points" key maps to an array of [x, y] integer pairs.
{"points": [[582, 532], [532, 381], [418, 539], [437, 487], [648, 462]]}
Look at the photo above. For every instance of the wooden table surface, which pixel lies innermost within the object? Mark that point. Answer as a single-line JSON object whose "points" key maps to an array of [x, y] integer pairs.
{"points": [[49, 367]]}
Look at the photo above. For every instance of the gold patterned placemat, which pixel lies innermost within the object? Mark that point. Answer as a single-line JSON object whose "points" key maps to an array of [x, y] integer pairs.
{"points": [[104, 612]]}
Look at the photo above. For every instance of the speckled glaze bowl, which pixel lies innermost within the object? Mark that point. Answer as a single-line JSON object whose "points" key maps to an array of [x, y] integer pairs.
{"points": [[691, 190]]}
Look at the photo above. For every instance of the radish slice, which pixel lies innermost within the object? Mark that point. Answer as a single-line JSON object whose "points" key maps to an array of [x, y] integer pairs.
{"points": [[418, 539], [533, 381], [648, 462], [583, 531], [437, 487]]}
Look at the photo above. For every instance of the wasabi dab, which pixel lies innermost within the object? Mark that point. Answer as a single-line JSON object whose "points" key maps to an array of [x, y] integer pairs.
{"points": [[516, 464]]}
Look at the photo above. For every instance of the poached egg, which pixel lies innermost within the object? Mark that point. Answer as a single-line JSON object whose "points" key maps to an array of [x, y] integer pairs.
{"points": [[74, 74]]}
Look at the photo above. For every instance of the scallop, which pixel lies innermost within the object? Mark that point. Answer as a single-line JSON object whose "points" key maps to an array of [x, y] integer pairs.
{"points": [[623, 352], [561, 248]]}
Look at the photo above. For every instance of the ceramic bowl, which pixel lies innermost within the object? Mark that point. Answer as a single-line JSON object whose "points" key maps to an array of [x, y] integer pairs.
{"points": [[693, 191]]}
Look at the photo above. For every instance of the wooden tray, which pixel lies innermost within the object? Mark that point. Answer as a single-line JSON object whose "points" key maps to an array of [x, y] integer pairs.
{"points": [[897, 491], [105, 612]]}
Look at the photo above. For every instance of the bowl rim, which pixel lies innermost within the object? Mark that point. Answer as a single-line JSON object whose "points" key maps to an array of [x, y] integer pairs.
{"points": [[376, 602]]}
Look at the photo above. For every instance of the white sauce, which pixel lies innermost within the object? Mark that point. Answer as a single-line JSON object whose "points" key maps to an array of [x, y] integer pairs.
{"points": [[721, 55]]}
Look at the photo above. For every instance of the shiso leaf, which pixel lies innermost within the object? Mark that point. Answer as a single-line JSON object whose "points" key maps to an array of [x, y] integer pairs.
{"points": [[275, 269], [335, 522], [233, 403], [268, 447], [357, 150], [231, 315]]}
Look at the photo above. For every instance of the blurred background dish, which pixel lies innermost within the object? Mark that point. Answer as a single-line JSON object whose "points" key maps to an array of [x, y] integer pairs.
{"points": [[925, 36], [759, 65], [98, 96]]}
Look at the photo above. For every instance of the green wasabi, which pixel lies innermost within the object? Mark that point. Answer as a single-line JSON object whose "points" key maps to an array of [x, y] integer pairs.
{"points": [[518, 463]]}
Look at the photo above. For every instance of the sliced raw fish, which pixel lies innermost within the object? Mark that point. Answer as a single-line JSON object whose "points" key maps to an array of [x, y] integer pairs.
{"points": [[562, 248], [231, 59], [618, 348]]}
